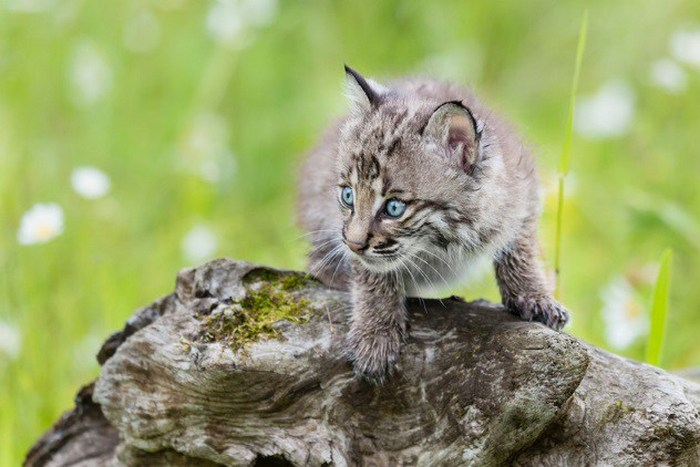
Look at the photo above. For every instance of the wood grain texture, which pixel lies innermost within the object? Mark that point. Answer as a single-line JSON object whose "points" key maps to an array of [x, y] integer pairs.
{"points": [[475, 386]]}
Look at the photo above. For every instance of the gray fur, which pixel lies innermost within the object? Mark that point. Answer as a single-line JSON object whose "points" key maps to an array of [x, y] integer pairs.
{"points": [[471, 191]]}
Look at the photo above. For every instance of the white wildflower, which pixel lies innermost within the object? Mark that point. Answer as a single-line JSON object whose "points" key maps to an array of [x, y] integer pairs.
{"points": [[142, 32], [685, 46], [90, 182], [89, 74], [208, 134], [229, 21], [225, 23], [40, 224], [607, 114], [668, 75], [623, 313], [29, 6], [10, 339], [259, 12], [199, 244], [214, 170]]}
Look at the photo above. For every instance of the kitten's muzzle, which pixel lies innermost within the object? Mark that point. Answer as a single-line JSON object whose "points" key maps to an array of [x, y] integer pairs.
{"points": [[356, 247]]}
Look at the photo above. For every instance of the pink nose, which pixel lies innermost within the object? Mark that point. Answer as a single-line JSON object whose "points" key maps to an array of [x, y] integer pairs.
{"points": [[358, 248]]}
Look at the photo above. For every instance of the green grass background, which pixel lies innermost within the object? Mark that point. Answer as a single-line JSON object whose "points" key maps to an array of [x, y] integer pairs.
{"points": [[634, 195]]}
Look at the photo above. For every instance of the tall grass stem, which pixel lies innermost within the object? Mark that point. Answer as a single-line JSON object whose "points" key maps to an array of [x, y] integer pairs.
{"points": [[659, 310], [565, 157]]}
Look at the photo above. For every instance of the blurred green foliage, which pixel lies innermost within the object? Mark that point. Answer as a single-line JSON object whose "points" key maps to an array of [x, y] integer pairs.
{"points": [[195, 131]]}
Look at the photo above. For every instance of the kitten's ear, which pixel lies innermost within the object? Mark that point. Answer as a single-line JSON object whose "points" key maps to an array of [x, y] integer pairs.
{"points": [[454, 127], [364, 93]]}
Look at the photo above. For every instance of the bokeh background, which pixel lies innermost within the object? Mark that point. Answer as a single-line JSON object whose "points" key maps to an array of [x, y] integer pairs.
{"points": [[140, 137]]}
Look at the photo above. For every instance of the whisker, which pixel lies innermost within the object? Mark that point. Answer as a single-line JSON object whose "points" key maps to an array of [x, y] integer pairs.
{"points": [[315, 232], [343, 258], [320, 245], [430, 282], [327, 258], [447, 284], [422, 302], [419, 270], [398, 279], [403, 265], [441, 259]]}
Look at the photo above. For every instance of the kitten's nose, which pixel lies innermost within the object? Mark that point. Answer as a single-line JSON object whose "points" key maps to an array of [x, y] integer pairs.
{"points": [[356, 247]]}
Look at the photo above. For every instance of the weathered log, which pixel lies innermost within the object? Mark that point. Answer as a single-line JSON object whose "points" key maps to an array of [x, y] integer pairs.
{"points": [[199, 377]]}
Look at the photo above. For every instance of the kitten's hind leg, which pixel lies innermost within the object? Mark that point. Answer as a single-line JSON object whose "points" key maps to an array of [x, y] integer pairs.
{"points": [[329, 264], [523, 285]]}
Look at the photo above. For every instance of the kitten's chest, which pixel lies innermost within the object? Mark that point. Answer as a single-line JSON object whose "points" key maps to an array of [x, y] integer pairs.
{"points": [[437, 274]]}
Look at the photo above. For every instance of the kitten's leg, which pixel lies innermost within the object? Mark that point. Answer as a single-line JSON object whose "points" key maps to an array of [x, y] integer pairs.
{"points": [[378, 324], [523, 285]]}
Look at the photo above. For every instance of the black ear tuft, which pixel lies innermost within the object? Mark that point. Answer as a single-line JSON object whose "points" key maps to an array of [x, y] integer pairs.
{"points": [[355, 79]]}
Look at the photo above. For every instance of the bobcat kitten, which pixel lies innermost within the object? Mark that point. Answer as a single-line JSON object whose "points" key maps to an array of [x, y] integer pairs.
{"points": [[406, 193]]}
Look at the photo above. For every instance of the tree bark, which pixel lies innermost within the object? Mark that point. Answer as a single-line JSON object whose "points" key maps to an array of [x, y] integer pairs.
{"points": [[182, 385]]}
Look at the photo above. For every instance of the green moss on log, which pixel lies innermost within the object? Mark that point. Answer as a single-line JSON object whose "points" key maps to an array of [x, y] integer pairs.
{"points": [[269, 299], [287, 280], [616, 412], [295, 281]]}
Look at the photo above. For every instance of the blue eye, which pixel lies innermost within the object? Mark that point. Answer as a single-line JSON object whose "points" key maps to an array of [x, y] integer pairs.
{"points": [[395, 208], [347, 196]]}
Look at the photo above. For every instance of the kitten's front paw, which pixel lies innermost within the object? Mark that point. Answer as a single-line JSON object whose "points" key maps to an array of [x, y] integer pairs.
{"points": [[374, 355], [543, 309]]}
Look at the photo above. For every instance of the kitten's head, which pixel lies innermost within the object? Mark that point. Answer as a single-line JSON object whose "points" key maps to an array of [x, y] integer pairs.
{"points": [[412, 168]]}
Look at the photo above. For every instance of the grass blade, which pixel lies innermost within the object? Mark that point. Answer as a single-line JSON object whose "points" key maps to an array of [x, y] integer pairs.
{"points": [[565, 156], [659, 310]]}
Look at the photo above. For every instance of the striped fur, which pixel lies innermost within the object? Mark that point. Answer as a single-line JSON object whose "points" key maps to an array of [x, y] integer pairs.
{"points": [[471, 191]]}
